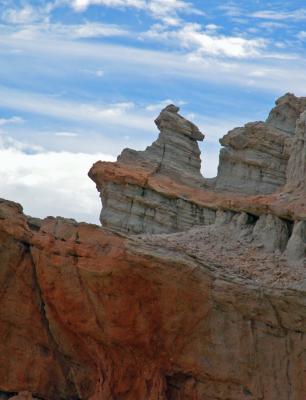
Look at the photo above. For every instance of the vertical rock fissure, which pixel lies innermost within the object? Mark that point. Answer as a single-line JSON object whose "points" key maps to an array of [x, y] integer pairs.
{"points": [[53, 344]]}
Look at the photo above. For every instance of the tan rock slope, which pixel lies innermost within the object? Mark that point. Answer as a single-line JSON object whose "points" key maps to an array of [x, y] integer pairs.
{"points": [[210, 307]]}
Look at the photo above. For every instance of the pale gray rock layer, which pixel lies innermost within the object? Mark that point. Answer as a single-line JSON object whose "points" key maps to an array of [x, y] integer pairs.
{"points": [[137, 210], [175, 153], [286, 112], [254, 158], [296, 172], [296, 247]]}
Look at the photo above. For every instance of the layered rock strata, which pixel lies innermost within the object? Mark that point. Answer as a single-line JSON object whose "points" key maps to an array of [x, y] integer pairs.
{"points": [[253, 159], [204, 314], [141, 194], [210, 307], [296, 172], [175, 155]]}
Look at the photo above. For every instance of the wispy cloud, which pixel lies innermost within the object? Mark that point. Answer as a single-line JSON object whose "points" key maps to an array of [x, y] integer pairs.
{"points": [[11, 121], [120, 114], [166, 10], [297, 15], [192, 37], [301, 35], [82, 5], [66, 134], [67, 31], [276, 76]]}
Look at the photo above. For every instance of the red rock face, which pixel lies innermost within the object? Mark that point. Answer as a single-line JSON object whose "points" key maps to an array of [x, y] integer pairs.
{"points": [[87, 314]]}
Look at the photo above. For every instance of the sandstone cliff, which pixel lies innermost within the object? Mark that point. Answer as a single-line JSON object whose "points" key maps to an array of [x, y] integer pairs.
{"points": [[210, 307]]}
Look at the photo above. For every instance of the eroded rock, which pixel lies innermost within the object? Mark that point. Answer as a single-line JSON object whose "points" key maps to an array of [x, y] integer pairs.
{"points": [[286, 112], [152, 317], [254, 158], [175, 153], [296, 248], [296, 172], [272, 232]]}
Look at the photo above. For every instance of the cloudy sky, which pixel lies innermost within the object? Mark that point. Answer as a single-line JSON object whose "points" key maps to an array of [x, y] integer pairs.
{"points": [[82, 79]]}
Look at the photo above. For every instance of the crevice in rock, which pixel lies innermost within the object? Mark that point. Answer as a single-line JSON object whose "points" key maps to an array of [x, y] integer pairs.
{"points": [[175, 384], [53, 344]]}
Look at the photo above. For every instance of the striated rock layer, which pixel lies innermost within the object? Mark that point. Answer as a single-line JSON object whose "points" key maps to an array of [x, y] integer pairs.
{"points": [[254, 158], [210, 307], [89, 314], [137, 208], [141, 194]]}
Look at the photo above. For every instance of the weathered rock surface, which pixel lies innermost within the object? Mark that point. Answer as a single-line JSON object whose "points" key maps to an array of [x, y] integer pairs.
{"points": [[88, 314], [141, 194], [254, 158], [175, 155], [286, 112], [210, 307], [296, 173]]}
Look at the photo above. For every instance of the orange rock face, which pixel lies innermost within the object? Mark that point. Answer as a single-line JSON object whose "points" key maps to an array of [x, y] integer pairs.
{"points": [[88, 314]]}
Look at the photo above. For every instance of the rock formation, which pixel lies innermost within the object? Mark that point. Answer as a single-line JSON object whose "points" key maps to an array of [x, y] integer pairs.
{"points": [[173, 157], [254, 158], [210, 307]]}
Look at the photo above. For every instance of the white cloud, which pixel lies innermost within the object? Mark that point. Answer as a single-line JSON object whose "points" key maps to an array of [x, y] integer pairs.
{"points": [[69, 31], [212, 27], [165, 10], [11, 121], [50, 183], [193, 38], [281, 74], [81, 5], [302, 35], [272, 25], [157, 107], [97, 72], [296, 15], [88, 30], [23, 15], [66, 134], [117, 114]]}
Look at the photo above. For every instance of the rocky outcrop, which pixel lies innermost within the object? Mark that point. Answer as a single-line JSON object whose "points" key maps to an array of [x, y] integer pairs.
{"points": [[162, 192], [174, 156], [207, 302], [89, 314], [175, 153], [254, 158], [286, 113]]}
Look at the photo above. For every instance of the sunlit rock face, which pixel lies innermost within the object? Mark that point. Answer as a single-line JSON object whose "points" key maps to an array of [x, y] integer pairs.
{"points": [[189, 291]]}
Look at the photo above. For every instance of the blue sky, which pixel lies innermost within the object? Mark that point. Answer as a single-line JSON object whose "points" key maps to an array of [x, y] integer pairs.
{"points": [[82, 79]]}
